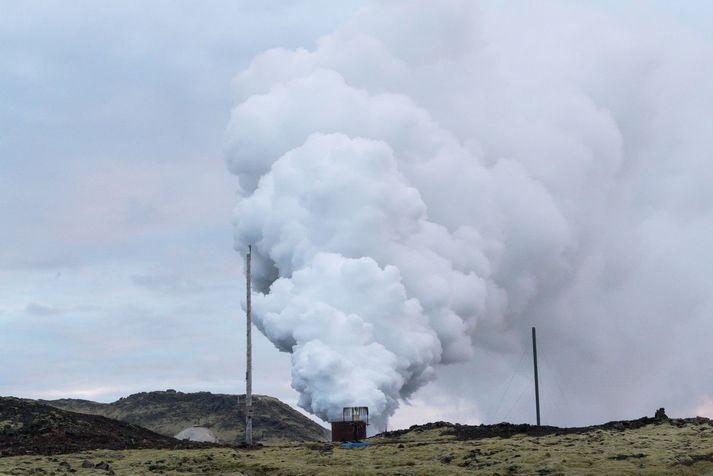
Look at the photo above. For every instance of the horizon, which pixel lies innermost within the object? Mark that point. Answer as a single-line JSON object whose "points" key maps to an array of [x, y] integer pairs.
{"points": [[319, 421]]}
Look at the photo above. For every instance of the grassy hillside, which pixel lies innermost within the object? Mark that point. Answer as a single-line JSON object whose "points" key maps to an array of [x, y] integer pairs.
{"points": [[666, 447], [30, 427], [169, 412]]}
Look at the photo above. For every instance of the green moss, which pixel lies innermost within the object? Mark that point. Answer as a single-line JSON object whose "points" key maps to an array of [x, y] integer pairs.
{"points": [[170, 412], [10, 425], [655, 450]]}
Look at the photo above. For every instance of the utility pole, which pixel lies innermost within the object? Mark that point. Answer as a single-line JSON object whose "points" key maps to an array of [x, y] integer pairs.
{"points": [[249, 356], [537, 385]]}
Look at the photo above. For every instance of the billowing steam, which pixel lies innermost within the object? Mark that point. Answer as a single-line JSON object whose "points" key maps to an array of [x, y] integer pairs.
{"points": [[424, 176]]}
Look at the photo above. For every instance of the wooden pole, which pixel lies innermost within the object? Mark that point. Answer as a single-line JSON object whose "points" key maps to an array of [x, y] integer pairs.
{"points": [[249, 356], [537, 385]]}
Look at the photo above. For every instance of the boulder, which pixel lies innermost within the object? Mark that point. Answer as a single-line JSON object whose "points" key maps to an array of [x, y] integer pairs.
{"points": [[199, 434]]}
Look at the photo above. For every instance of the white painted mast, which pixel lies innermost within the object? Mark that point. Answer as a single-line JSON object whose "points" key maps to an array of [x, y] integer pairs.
{"points": [[249, 356]]}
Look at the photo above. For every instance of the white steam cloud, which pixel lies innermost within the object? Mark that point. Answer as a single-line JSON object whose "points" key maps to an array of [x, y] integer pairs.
{"points": [[431, 177]]}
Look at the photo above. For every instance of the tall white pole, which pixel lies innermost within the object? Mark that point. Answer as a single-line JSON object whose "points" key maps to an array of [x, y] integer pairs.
{"points": [[249, 357]]}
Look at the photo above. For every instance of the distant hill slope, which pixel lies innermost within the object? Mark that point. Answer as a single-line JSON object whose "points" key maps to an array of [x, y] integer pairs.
{"points": [[28, 427], [169, 412]]}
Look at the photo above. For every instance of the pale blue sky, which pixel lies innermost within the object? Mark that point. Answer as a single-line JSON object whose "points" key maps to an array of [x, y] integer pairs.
{"points": [[117, 272]]}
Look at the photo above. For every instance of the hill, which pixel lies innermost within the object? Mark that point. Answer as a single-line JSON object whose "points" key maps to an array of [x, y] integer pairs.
{"points": [[31, 427], [169, 412]]}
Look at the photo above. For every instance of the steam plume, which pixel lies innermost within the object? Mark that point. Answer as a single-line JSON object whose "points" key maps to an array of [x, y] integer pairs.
{"points": [[420, 179]]}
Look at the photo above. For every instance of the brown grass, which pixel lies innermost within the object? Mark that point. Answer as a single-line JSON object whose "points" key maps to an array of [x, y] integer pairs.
{"points": [[663, 449]]}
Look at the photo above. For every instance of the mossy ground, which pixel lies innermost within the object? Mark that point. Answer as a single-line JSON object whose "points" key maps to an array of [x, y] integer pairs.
{"points": [[663, 449]]}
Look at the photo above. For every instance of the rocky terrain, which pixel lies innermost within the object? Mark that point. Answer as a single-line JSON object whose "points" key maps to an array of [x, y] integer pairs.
{"points": [[650, 446], [169, 412], [28, 427], [508, 430]]}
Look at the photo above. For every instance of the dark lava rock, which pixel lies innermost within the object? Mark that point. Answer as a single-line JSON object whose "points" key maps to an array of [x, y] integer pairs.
{"points": [[622, 457], [87, 464], [660, 415], [40, 429], [102, 465], [447, 459], [507, 430]]}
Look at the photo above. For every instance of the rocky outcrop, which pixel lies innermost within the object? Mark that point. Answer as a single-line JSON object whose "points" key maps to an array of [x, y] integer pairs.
{"points": [[28, 427]]}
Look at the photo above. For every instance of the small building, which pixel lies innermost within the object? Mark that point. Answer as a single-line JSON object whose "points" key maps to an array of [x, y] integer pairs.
{"points": [[352, 426]]}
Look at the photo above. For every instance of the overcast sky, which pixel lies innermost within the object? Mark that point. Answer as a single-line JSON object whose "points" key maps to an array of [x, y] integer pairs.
{"points": [[117, 272], [117, 268]]}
